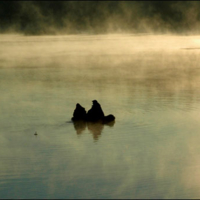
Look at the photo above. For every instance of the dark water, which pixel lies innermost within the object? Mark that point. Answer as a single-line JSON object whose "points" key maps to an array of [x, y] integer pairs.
{"points": [[150, 83]]}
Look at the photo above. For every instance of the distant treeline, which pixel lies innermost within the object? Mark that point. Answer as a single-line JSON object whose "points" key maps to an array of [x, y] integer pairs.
{"points": [[51, 17]]}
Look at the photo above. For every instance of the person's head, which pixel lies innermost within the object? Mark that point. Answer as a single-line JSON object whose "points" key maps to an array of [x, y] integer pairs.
{"points": [[78, 105], [95, 102]]}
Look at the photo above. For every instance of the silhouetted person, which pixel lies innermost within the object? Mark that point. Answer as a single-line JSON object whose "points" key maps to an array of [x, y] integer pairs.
{"points": [[95, 113], [79, 113]]}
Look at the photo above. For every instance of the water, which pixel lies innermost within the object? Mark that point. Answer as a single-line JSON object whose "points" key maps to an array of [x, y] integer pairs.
{"points": [[150, 83]]}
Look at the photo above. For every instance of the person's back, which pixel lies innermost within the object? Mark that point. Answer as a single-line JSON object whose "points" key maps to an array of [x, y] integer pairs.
{"points": [[95, 113], [79, 113]]}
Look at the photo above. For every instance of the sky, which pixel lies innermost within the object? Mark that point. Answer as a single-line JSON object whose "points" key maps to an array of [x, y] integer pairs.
{"points": [[96, 17]]}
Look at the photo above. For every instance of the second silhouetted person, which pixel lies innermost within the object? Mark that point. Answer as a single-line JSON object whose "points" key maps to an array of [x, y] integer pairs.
{"points": [[96, 112]]}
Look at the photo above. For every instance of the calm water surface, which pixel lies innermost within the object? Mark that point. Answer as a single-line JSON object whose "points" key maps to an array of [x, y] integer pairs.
{"points": [[150, 83]]}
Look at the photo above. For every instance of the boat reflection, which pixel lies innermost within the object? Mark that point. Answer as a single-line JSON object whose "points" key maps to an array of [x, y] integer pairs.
{"points": [[95, 128]]}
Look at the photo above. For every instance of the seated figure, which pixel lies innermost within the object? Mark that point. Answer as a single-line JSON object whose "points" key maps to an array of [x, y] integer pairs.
{"points": [[79, 113], [95, 113]]}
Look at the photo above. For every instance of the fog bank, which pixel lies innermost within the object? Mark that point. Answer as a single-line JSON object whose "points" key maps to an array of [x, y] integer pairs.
{"points": [[67, 17]]}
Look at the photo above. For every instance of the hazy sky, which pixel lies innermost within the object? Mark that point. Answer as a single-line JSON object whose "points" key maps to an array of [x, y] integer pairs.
{"points": [[50, 17]]}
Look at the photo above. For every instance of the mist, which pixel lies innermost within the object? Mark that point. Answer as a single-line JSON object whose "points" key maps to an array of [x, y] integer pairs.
{"points": [[96, 17], [139, 59]]}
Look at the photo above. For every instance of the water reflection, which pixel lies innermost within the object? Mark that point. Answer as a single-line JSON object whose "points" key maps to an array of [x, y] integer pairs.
{"points": [[95, 128], [79, 126]]}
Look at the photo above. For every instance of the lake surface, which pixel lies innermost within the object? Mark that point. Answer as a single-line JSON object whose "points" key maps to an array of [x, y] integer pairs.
{"points": [[151, 83]]}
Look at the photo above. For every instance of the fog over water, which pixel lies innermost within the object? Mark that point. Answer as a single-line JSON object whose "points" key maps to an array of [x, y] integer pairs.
{"points": [[150, 83], [97, 17]]}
